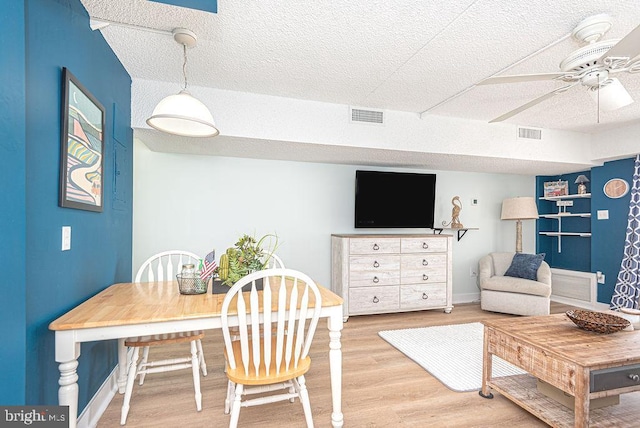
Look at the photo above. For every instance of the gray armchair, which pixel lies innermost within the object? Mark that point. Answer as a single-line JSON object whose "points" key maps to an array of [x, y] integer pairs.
{"points": [[506, 294]]}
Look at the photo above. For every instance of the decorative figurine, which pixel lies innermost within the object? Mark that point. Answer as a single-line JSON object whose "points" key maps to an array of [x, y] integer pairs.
{"points": [[455, 214]]}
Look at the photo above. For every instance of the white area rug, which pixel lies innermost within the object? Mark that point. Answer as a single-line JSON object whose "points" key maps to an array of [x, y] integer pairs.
{"points": [[451, 353]]}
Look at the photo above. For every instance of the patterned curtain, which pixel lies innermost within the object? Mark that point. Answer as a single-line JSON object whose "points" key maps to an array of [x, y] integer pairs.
{"points": [[627, 288]]}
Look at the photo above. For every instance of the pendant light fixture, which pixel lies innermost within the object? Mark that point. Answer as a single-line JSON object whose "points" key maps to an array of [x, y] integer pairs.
{"points": [[182, 114]]}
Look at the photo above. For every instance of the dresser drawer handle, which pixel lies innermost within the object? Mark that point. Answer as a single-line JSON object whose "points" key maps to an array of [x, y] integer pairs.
{"points": [[425, 245], [376, 264], [376, 280], [425, 277], [634, 377], [425, 296], [375, 299], [425, 262], [375, 247]]}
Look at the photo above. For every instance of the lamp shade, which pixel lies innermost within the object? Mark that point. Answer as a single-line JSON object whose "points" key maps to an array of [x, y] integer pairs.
{"points": [[520, 208], [184, 115], [581, 179]]}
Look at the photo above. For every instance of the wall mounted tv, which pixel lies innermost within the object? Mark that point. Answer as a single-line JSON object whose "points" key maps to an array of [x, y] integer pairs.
{"points": [[394, 199]]}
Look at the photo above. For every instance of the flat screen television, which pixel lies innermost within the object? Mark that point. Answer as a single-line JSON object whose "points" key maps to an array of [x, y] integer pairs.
{"points": [[394, 199]]}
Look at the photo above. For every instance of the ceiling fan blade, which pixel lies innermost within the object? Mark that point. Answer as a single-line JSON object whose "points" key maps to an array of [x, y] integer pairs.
{"points": [[515, 78], [531, 103], [629, 46]]}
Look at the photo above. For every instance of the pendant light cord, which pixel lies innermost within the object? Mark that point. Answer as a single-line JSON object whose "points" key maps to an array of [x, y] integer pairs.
{"points": [[184, 66]]}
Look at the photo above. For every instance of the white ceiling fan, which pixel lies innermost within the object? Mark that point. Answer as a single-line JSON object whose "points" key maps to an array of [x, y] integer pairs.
{"points": [[592, 66]]}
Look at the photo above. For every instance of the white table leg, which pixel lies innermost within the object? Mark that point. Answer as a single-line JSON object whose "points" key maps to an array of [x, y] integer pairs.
{"points": [[122, 366], [335, 367], [68, 391], [67, 353]]}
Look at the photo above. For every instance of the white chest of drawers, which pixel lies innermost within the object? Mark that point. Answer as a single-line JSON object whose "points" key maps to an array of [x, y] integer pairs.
{"points": [[392, 273]]}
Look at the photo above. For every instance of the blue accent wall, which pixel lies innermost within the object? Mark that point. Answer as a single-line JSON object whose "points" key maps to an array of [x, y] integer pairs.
{"points": [[603, 251], [608, 236], [44, 282], [12, 201]]}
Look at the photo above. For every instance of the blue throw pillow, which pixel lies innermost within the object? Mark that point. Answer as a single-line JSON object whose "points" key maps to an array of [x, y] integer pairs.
{"points": [[525, 266]]}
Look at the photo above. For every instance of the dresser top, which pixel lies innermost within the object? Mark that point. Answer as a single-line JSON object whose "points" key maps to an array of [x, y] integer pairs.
{"points": [[391, 235]]}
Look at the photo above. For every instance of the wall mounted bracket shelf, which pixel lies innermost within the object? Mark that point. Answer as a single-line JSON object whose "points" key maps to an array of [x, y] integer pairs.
{"points": [[461, 231]]}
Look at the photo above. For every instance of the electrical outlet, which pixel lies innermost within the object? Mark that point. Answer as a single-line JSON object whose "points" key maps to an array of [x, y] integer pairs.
{"points": [[600, 277], [474, 202], [473, 271]]}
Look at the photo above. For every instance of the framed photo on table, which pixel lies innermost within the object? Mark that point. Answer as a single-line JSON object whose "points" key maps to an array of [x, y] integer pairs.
{"points": [[556, 188], [82, 147]]}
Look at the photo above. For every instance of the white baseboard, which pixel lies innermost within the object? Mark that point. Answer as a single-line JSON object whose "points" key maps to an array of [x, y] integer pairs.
{"points": [[466, 298], [98, 404], [597, 306]]}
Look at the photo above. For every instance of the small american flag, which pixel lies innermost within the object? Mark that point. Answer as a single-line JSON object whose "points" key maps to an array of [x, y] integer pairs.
{"points": [[209, 265]]}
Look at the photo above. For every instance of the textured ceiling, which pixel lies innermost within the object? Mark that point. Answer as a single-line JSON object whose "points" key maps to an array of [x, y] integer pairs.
{"points": [[415, 55]]}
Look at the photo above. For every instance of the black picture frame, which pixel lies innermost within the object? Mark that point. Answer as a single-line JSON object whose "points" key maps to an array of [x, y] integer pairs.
{"points": [[82, 147]]}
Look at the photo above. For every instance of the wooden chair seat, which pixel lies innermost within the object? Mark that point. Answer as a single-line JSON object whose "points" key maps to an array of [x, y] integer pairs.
{"points": [[164, 339], [238, 375]]}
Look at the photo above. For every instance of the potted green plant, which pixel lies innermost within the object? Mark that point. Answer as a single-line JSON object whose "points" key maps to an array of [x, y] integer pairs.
{"points": [[246, 256]]}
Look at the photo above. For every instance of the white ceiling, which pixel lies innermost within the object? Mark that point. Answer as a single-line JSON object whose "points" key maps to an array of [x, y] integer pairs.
{"points": [[413, 55]]}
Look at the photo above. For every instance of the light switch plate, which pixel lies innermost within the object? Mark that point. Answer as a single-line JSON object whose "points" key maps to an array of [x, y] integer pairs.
{"points": [[66, 238], [603, 214]]}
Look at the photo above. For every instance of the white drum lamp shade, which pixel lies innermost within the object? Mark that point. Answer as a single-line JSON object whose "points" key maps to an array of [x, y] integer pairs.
{"points": [[184, 115], [520, 208]]}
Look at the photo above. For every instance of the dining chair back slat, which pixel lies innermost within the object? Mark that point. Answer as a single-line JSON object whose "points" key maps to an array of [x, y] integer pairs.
{"points": [[165, 265]]}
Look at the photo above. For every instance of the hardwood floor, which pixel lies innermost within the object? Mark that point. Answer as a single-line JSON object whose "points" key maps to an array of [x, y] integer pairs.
{"points": [[380, 386]]}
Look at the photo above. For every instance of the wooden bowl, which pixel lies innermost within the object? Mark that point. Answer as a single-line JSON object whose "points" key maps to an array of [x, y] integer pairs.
{"points": [[597, 321]]}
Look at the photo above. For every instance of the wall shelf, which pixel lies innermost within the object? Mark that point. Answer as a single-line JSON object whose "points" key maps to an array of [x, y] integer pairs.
{"points": [[461, 231], [560, 215], [559, 198], [581, 234], [563, 214]]}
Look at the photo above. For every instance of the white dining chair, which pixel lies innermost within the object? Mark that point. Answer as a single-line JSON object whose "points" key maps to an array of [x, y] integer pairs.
{"points": [[289, 304], [163, 267]]}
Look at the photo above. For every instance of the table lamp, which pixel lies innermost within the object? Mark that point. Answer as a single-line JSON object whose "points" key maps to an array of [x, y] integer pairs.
{"points": [[520, 208], [582, 187]]}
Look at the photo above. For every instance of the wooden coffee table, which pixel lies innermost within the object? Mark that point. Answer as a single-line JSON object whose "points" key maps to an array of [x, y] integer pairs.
{"points": [[583, 364]]}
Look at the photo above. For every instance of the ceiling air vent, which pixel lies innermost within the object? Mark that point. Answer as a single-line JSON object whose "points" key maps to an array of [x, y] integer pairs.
{"points": [[529, 133], [367, 116]]}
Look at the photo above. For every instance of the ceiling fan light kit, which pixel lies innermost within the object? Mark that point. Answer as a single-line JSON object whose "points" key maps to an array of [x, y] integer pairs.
{"points": [[182, 114], [612, 95], [591, 66]]}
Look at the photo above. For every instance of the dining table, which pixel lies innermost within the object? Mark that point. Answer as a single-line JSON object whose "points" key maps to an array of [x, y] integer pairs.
{"points": [[138, 309]]}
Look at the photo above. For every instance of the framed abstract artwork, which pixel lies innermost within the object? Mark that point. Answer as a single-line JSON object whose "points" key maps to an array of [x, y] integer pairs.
{"points": [[82, 147]]}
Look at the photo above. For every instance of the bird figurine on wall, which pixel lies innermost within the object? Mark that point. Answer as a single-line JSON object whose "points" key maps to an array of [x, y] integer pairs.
{"points": [[455, 214]]}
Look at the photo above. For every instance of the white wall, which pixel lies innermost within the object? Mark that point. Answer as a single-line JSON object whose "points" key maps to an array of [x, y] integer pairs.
{"points": [[200, 203], [618, 143], [265, 117]]}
